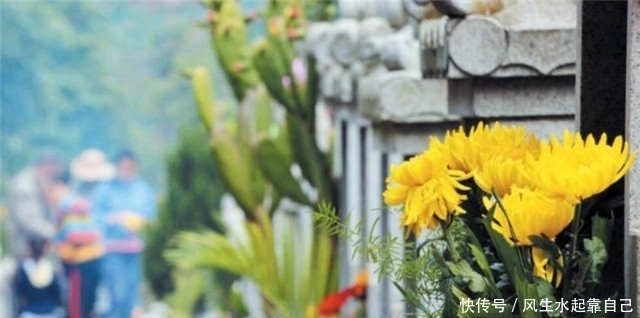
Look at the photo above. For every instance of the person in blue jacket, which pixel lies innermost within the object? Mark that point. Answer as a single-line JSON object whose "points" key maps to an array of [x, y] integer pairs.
{"points": [[122, 207]]}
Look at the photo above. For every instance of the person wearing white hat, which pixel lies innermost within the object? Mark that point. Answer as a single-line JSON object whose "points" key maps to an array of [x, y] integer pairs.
{"points": [[90, 168], [78, 242]]}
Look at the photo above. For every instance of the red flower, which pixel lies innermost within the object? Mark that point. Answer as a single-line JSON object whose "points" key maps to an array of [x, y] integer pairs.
{"points": [[332, 304]]}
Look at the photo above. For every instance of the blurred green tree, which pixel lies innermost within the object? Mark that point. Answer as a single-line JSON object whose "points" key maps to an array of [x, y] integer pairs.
{"points": [[191, 202], [97, 74], [41, 44]]}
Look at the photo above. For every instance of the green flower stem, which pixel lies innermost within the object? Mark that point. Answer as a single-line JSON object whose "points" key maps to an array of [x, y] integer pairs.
{"points": [[518, 250], [450, 242], [566, 287], [427, 242]]}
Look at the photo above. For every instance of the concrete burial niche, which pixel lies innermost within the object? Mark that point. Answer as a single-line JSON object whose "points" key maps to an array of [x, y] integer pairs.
{"points": [[609, 102], [608, 77], [632, 132], [395, 73], [516, 65]]}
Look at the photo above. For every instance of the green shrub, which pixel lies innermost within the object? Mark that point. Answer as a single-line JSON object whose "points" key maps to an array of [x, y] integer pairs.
{"points": [[191, 202]]}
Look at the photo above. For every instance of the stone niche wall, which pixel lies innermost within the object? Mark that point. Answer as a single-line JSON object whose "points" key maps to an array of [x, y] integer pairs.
{"points": [[609, 101], [393, 78]]}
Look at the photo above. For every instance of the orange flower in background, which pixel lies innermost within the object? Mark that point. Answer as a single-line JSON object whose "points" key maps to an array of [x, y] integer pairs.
{"points": [[360, 285], [331, 305]]}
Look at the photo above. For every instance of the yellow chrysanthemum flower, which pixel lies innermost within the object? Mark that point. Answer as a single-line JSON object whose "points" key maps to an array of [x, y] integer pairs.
{"points": [[461, 149], [427, 189], [468, 152], [499, 175], [577, 169], [513, 142], [527, 212], [542, 266]]}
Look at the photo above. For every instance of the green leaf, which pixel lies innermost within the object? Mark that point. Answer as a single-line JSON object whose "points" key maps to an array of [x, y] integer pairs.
{"points": [[230, 41], [473, 279], [288, 283], [459, 294], [203, 94], [438, 258], [597, 253], [308, 156], [271, 70], [276, 168], [507, 253], [411, 297], [482, 262], [546, 291], [190, 286], [527, 291], [263, 112], [236, 172]]}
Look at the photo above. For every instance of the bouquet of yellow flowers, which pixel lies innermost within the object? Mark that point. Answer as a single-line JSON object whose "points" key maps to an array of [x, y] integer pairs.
{"points": [[526, 223]]}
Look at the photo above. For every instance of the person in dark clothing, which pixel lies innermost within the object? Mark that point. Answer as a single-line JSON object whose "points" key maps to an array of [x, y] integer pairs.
{"points": [[37, 287]]}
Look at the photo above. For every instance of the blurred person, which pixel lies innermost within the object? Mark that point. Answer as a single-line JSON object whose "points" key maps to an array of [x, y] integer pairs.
{"points": [[79, 247], [26, 201], [28, 210], [123, 206], [89, 169], [36, 284]]}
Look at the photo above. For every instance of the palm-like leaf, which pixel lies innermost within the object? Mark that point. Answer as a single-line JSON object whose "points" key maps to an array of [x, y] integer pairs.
{"points": [[290, 273]]}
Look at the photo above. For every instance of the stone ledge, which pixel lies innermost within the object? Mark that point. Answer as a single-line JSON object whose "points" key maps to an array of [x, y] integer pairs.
{"points": [[403, 97], [521, 97], [407, 139]]}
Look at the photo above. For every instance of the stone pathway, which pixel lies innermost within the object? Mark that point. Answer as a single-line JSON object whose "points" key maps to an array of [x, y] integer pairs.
{"points": [[156, 310], [7, 267]]}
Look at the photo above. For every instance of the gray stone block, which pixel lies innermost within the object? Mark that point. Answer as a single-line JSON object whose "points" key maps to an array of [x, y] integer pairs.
{"points": [[477, 45], [529, 38], [408, 139], [544, 128], [484, 46], [403, 97], [520, 97]]}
